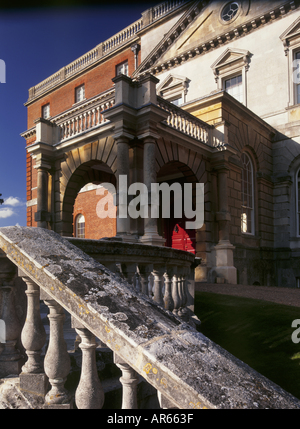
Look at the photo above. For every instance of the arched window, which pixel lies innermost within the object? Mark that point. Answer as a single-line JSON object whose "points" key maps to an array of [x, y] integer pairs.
{"points": [[80, 226], [247, 218]]}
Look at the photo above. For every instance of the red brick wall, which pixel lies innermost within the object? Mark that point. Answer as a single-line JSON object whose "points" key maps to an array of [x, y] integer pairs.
{"points": [[95, 228], [96, 81]]}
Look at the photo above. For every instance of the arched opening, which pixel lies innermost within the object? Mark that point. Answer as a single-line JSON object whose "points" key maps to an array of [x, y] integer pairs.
{"points": [[80, 226], [173, 227], [81, 197]]}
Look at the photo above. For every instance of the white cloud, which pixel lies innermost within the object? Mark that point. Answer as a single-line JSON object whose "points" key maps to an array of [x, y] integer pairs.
{"points": [[4, 213], [12, 201]]}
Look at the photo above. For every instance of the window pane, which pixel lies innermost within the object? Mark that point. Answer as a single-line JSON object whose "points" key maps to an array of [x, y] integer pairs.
{"points": [[80, 93], [247, 209], [80, 226], [177, 101], [234, 87], [46, 111], [122, 69]]}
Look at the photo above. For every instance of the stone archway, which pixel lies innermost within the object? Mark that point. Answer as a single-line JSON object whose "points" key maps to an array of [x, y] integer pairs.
{"points": [[178, 164], [92, 163]]}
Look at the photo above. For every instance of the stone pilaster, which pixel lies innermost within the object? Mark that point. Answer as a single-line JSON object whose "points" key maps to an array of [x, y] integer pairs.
{"points": [[224, 269]]}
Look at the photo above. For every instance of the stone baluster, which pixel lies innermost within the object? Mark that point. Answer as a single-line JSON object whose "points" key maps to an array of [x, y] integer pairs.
{"points": [[57, 360], [175, 293], [98, 116], [182, 293], [145, 270], [129, 271], [89, 119], [33, 335], [89, 394], [158, 272], [168, 300], [10, 359], [129, 380]]}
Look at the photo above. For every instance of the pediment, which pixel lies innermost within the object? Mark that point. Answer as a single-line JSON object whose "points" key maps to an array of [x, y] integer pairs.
{"points": [[230, 56], [201, 29], [172, 81], [292, 31]]}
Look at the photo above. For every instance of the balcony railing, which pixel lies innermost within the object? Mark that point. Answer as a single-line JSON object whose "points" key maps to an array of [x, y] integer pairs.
{"points": [[85, 116], [185, 367], [88, 116], [185, 122]]}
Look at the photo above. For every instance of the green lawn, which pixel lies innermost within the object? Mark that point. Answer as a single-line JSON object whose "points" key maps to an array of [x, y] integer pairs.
{"points": [[257, 332]]}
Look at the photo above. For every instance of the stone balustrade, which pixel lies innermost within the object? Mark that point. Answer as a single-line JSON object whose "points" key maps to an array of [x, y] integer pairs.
{"points": [[164, 274], [89, 116], [185, 122], [147, 340], [84, 117], [165, 7]]}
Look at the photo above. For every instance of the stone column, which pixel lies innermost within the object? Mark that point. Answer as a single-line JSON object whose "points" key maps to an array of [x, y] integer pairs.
{"points": [[150, 236], [57, 360], [42, 216], [225, 270], [89, 393], [129, 380], [123, 220]]}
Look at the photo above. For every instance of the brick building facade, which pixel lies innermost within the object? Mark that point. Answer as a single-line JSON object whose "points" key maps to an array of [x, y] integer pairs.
{"points": [[194, 103]]}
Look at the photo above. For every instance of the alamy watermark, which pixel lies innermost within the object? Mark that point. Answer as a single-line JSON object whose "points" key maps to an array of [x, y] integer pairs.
{"points": [[2, 332], [2, 71], [296, 334], [193, 208]]}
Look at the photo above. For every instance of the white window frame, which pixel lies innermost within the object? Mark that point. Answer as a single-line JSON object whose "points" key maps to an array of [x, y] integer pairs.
{"points": [[252, 206], [122, 68], [46, 111], [291, 43], [231, 63], [80, 219], [79, 93], [226, 79], [173, 87]]}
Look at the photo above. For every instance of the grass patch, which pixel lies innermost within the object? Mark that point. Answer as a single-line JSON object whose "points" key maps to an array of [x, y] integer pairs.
{"points": [[257, 332]]}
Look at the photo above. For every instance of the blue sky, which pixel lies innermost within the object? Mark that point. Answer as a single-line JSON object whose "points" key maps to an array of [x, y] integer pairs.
{"points": [[35, 43]]}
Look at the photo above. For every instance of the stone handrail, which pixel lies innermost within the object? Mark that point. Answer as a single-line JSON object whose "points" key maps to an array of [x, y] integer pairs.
{"points": [[185, 122], [145, 338]]}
